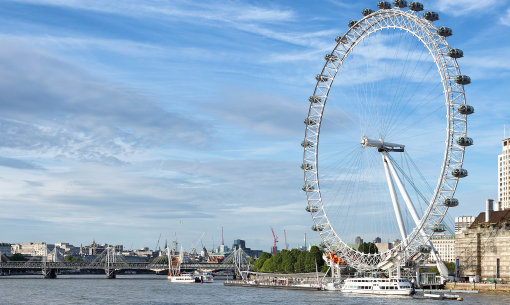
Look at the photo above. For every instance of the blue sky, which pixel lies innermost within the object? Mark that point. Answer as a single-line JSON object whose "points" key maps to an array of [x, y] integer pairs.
{"points": [[122, 120]]}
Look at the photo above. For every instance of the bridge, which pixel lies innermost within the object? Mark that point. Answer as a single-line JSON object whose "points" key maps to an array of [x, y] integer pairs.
{"points": [[112, 263]]}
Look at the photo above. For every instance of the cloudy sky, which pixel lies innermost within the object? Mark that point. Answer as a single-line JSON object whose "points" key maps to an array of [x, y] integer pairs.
{"points": [[124, 120]]}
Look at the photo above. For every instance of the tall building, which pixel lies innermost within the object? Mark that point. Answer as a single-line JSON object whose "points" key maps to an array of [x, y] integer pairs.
{"points": [[445, 247], [463, 222], [504, 175]]}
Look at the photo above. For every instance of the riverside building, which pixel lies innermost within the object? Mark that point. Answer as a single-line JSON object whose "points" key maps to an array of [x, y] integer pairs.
{"points": [[504, 175]]}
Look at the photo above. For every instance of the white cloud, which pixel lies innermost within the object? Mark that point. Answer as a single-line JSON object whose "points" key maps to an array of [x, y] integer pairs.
{"points": [[505, 20], [462, 7]]}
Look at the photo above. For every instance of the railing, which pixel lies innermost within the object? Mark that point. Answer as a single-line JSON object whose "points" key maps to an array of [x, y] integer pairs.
{"points": [[101, 265]]}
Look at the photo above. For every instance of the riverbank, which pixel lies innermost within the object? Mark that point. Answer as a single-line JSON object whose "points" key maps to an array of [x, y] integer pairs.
{"points": [[482, 287]]}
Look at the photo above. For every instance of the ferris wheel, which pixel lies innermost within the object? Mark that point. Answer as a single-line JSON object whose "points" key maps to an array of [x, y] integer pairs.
{"points": [[392, 138]]}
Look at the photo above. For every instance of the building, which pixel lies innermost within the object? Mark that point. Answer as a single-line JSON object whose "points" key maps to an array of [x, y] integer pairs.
{"points": [[358, 240], [463, 222], [445, 247], [383, 247], [482, 251], [241, 244], [504, 175], [5, 249], [377, 240], [32, 249]]}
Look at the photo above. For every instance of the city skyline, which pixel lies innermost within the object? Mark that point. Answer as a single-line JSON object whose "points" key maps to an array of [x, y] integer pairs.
{"points": [[123, 120]]}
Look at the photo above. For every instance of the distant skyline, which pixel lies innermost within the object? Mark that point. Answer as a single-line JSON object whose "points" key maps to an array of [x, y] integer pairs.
{"points": [[124, 120]]}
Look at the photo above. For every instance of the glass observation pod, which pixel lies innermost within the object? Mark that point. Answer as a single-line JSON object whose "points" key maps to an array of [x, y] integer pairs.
{"points": [[460, 172], [307, 144], [366, 12], [312, 209], [306, 166], [400, 3], [438, 228], [341, 39], [455, 53], [309, 121], [317, 227], [416, 6], [383, 5], [424, 249], [308, 188], [466, 109], [331, 57], [321, 78], [451, 202], [352, 23], [444, 31], [431, 16], [462, 79], [314, 99], [465, 141]]}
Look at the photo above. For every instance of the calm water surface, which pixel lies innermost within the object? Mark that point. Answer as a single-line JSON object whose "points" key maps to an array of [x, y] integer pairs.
{"points": [[156, 290]]}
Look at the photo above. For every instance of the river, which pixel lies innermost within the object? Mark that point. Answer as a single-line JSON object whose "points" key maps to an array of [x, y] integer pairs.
{"points": [[156, 290]]}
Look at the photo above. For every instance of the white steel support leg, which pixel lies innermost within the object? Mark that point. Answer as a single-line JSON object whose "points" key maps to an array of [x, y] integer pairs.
{"points": [[440, 265], [394, 199]]}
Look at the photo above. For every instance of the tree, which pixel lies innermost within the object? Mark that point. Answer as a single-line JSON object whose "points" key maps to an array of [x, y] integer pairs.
{"points": [[287, 265], [260, 261], [299, 265], [368, 248], [72, 259], [18, 257]]}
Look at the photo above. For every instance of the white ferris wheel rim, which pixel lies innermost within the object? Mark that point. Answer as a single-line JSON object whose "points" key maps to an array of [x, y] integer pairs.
{"points": [[456, 123]]}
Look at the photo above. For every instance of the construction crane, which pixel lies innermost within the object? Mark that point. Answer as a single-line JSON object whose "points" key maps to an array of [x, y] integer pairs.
{"points": [[157, 245], [274, 250], [286, 244]]}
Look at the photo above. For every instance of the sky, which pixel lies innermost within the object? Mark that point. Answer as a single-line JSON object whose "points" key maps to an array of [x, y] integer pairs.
{"points": [[124, 120]]}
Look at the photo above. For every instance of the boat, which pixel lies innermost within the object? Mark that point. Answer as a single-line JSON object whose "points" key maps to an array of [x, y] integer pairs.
{"points": [[174, 268], [204, 277], [381, 286]]}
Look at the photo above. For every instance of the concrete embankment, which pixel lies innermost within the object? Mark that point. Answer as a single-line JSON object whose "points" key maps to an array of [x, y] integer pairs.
{"points": [[482, 287]]}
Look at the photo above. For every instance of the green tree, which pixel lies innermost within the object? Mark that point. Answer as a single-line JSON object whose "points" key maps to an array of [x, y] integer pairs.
{"points": [[257, 267], [369, 248], [299, 265], [18, 257], [451, 267], [287, 262]]}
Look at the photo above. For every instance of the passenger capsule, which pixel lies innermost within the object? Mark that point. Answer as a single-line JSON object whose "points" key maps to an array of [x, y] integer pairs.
{"points": [[459, 173], [306, 166], [307, 144], [317, 227], [331, 57], [466, 109], [464, 141], [416, 6], [431, 16], [308, 188], [451, 202], [400, 3], [312, 209], [321, 78], [367, 12], [352, 23], [383, 5], [444, 31], [424, 249], [309, 121], [438, 228], [455, 53], [314, 99], [462, 79], [341, 39]]}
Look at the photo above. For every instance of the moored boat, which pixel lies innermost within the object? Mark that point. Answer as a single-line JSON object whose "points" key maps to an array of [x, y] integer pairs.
{"points": [[382, 286]]}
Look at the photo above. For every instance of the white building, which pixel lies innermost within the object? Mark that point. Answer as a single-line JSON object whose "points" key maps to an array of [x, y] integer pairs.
{"points": [[445, 247], [31, 249], [463, 222], [504, 175]]}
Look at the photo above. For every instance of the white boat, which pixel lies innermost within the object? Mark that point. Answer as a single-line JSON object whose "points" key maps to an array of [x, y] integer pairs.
{"points": [[183, 278], [204, 277], [381, 286]]}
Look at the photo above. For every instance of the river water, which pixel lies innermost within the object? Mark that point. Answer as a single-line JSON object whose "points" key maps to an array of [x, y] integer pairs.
{"points": [[156, 290]]}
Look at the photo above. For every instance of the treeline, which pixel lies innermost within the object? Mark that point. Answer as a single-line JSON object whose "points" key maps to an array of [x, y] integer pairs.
{"points": [[293, 261]]}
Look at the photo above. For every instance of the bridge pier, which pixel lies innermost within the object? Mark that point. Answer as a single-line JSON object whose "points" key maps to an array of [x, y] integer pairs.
{"points": [[49, 273], [110, 274]]}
